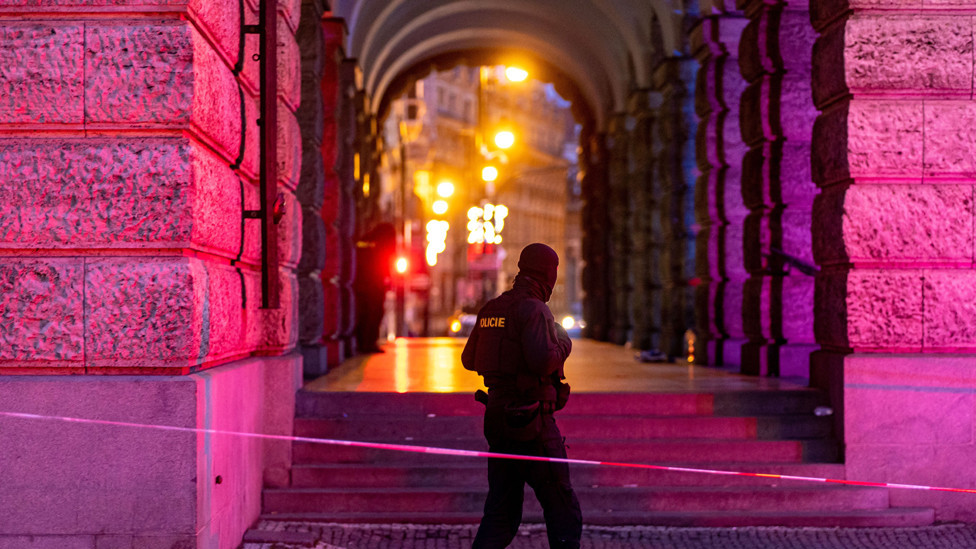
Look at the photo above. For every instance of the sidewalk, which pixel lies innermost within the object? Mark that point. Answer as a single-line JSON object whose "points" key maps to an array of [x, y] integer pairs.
{"points": [[360, 536]]}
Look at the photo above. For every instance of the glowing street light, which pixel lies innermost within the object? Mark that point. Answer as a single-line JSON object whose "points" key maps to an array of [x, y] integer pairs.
{"points": [[504, 139], [489, 174], [445, 189], [440, 207], [515, 74]]}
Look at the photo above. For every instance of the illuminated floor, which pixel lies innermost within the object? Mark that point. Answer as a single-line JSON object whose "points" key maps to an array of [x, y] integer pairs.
{"points": [[434, 365]]}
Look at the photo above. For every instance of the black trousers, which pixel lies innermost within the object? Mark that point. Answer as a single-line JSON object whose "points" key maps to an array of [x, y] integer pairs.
{"points": [[549, 481]]}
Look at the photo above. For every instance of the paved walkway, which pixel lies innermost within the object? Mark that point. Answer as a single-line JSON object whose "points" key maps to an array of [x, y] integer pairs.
{"points": [[335, 536]]}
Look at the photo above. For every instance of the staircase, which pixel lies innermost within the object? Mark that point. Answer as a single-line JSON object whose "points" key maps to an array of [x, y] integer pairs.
{"points": [[754, 431]]}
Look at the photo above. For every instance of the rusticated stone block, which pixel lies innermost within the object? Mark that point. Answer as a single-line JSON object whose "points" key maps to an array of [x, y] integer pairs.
{"points": [[310, 113], [41, 311], [311, 308], [311, 185], [918, 53], [289, 65], [795, 42], [823, 12], [289, 148], [251, 250], [830, 309], [313, 242], [251, 72], [795, 236], [251, 163], [290, 232], [796, 184], [131, 193], [884, 309], [41, 73], [290, 11], [885, 139], [828, 227], [279, 327], [829, 162], [167, 312], [161, 73], [950, 310], [797, 308], [904, 223], [950, 131], [829, 75], [757, 308], [795, 113]]}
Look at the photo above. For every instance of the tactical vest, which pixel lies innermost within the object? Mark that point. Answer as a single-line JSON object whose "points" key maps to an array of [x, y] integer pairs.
{"points": [[499, 357]]}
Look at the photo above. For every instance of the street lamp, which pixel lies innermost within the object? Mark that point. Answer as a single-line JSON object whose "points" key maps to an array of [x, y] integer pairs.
{"points": [[504, 139], [515, 74]]}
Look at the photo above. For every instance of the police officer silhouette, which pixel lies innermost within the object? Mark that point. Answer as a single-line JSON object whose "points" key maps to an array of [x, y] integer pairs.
{"points": [[520, 350]]}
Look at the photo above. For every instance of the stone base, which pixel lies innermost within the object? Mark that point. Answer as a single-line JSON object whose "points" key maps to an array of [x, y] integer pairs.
{"points": [[315, 361], [909, 419], [75, 485], [725, 352]]}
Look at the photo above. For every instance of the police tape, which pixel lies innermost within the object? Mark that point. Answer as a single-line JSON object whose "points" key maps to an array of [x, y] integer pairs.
{"points": [[475, 453]]}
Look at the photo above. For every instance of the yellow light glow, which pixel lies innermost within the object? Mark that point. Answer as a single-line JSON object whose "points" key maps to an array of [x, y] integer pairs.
{"points": [[440, 207], [504, 139], [475, 212], [489, 173], [568, 322], [445, 189], [456, 326], [402, 264], [515, 74]]}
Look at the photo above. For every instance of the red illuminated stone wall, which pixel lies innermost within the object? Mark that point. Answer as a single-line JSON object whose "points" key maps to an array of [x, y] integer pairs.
{"points": [[893, 233], [120, 209]]}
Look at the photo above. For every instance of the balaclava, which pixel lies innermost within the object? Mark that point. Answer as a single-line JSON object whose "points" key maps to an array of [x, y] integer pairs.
{"points": [[539, 262]]}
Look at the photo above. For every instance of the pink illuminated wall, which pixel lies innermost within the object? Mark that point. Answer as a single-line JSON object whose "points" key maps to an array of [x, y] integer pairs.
{"points": [[128, 152], [893, 233]]}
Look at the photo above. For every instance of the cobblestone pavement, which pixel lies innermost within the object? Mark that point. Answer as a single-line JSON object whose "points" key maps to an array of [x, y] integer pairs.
{"points": [[386, 536]]}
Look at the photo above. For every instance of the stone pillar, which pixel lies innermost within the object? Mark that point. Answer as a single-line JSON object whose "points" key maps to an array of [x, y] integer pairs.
{"points": [[677, 172], [645, 271], [596, 241], [776, 122], [128, 153], [311, 191], [896, 295], [719, 209], [333, 36], [349, 109], [621, 210]]}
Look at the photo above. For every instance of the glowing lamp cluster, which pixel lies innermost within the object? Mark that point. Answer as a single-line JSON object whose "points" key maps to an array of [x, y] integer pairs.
{"points": [[436, 239], [485, 224]]}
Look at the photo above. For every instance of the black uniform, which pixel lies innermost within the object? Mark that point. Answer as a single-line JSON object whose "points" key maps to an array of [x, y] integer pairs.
{"points": [[520, 351]]}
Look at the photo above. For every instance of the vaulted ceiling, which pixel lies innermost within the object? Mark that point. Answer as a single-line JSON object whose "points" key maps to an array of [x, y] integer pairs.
{"points": [[596, 50]]}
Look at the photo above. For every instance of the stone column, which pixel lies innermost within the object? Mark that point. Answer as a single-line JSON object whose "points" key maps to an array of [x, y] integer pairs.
{"points": [[620, 210], [349, 109], [130, 278], [776, 122], [719, 209], [333, 35], [677, 172], [893, 234], [645, 271], [596, 241], [311, 191]]}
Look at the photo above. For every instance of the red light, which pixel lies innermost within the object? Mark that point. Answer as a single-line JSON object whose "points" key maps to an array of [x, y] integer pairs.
{"points": [[402, 264]]}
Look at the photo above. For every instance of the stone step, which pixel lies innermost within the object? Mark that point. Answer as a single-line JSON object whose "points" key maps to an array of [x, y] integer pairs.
{"points": [[631, 451], [475, 475], [597, 501], [343, 404], [575, 427], [902, 517]]}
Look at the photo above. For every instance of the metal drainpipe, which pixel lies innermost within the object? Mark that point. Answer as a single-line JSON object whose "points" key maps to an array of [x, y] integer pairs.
{"points": [[271, 208]]}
